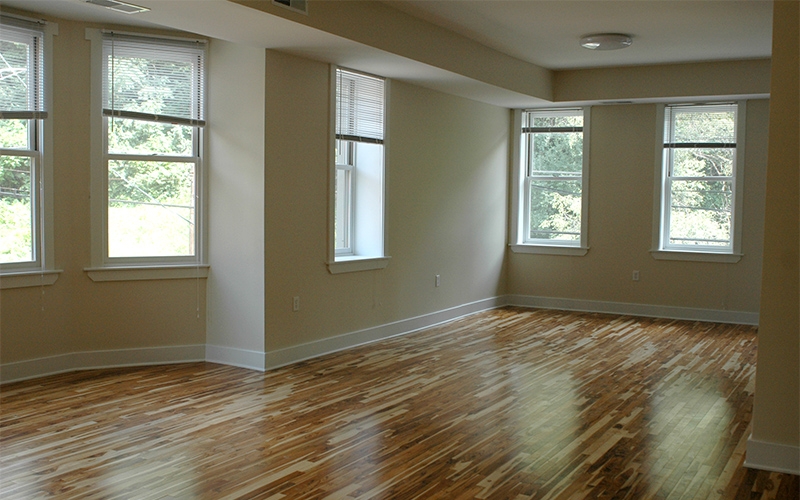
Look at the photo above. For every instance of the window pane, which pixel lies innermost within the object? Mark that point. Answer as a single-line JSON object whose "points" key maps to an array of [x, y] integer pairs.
{"points": [[151, 81], [14, 76], [700, 213], [342, 223], [705, 127], [14, 134], [555, 210], [344, 152], [557, 153], [126, 136], [696, 162], [16, 209], [557, 121], [151, 209]]}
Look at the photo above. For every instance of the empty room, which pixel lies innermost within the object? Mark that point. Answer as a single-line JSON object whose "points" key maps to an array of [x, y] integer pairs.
{"points": [[308, 249]]}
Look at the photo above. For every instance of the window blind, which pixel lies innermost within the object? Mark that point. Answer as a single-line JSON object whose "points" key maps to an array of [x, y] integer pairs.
{"points": [[682, 132], [154, 79], [359, 107], [21, 69]]}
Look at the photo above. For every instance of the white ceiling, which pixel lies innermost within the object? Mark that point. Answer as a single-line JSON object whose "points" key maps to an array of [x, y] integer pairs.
{"points": [[546, 32], [543, 32]]}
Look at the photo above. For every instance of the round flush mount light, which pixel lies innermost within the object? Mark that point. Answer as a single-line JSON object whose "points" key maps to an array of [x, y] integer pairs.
{"points": [[606, 41]]}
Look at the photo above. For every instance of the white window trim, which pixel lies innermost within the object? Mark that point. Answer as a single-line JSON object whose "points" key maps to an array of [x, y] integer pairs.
{"points": [[102, 267], [42, 272], [729, 256], [519, 197], [349, 169], [339, 263]]}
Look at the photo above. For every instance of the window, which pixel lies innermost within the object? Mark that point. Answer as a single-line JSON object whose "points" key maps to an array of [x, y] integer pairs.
{"points": [[150, 176], [358, 187], [24, 219], [699, 189], [552, 182]]}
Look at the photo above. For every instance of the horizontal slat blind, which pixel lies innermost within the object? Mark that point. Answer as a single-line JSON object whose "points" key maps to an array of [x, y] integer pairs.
{"points": [[680, 131], [359, 107], [154, 79], [21, 69]]}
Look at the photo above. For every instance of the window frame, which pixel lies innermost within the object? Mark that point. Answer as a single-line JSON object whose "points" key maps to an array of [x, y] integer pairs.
{"points": [[367, 238], [103, 266], [39, 271], [661, 249], [346, 168], [520, 202]]}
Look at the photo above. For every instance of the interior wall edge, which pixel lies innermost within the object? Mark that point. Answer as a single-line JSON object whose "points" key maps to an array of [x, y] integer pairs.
{"points": [[243, 358], [775, 457]]}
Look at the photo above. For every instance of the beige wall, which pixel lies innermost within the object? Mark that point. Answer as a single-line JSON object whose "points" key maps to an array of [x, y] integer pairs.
{"points": [[77, 314], [621, 193], [445, 214], [663, 81], [776, 417]]}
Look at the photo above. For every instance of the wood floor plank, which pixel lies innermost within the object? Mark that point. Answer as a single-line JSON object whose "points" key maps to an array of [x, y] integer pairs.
{"points": [[510, 403]]}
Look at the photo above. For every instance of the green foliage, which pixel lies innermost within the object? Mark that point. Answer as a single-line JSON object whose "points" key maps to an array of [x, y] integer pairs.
{"points": [[126, 136], [15, 176], [555, 210], [14, 134], [701, 179], [556, 165], [15, 194], [150, 181]]}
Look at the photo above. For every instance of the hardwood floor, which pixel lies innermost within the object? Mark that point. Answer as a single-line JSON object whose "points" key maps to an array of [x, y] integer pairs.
{"points": [[506, 404]]}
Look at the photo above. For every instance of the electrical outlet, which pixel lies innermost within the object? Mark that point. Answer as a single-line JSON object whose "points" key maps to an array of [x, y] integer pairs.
{"points": [[438, 280], [635, 276], [295, 303]]}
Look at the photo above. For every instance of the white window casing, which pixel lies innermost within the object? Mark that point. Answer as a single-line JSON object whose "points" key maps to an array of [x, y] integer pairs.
{"points": [[357, 188], [697, 212], [148, 177], [550, 198], [28, 258]]}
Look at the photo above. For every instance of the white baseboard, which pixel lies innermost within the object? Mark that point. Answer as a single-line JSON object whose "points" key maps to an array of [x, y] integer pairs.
{"points": [[289, 355], [256, 360], [88, 360], [773, 457], [242, 358], [652, 311]]}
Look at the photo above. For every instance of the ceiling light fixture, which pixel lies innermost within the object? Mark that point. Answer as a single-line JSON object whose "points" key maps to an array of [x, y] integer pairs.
{"points": [[125, 8], [606, 41]]}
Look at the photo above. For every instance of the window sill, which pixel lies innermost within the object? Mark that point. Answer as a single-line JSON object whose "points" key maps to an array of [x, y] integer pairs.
{"points": [[136, 273], [23, 279], [550, 250], [357, 263], [729, 258]]}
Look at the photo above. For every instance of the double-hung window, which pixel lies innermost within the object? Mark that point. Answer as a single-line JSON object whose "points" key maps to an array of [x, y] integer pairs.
{"points": [[153, 100], [22, 127], [552, 182], [699, 189], [358, 187]]}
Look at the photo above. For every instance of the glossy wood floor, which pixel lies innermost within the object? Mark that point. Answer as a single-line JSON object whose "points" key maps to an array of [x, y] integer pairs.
{"points": [[505, 404]]}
